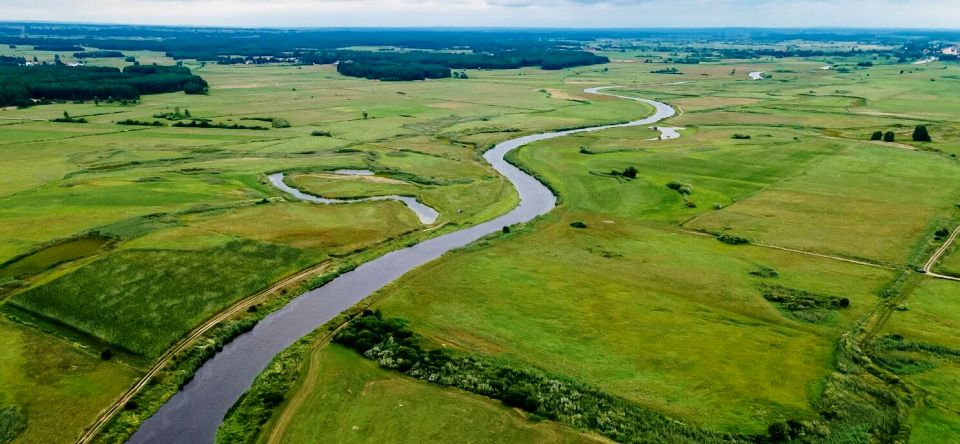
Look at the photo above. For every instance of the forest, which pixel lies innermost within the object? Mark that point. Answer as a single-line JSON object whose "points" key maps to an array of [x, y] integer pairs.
{"points": [[25, 85]]}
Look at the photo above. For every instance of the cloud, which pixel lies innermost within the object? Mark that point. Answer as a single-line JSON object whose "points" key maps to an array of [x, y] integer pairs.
{"points": [[509, 13]]}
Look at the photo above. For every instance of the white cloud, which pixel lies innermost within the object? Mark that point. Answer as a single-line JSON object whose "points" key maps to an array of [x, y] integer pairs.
{"points": [[511, 13]]}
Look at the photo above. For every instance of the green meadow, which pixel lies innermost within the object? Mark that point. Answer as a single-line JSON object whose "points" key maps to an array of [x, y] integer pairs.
{"points": [[646, 304], [127, 238], [376, 405]]}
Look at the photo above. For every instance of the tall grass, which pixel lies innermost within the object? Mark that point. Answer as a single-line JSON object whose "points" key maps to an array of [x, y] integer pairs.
{"points": [[144, 300]]}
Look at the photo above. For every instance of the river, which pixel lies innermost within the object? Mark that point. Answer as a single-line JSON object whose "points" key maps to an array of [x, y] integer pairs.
{"points": [[193, 414]]}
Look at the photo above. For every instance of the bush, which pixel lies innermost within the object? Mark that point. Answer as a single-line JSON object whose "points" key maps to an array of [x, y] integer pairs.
{"points": [[804, 305], [920, 134], [320, 133], [877, 135], [889, 136], [733, 239], [630, 172], [674, 185], [686, 189], [741, 136], [765, 272], [106, 354], [13, 421], [578, 224]]}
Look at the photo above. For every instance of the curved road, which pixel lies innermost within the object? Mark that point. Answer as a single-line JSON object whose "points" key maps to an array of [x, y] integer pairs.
{"points": [[194, 413]]}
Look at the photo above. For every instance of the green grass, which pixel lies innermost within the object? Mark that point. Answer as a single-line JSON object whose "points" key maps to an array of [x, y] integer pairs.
{"points": [[932, 316], [674, 322], [639, 307], [53, 255], [376, 405], [865, 202], [59, 388], [132, 300], [630, 304]]}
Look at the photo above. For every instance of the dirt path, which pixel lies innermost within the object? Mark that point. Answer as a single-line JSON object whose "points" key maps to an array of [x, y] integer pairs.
{"points": [[937, 254], [188, 341]]}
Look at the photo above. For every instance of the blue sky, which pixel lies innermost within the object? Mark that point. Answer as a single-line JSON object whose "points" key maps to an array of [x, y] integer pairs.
{"points": [[506, 13]]}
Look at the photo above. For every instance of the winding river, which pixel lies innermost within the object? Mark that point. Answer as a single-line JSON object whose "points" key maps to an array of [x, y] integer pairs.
{"points": [[194, 413], [426, 214]]}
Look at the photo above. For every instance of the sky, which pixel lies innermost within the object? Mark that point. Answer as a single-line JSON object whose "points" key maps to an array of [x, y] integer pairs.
{"points": [[495, 13]]}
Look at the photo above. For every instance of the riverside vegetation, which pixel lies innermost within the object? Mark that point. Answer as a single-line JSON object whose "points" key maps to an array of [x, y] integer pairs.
{"points": [[755, 289]]}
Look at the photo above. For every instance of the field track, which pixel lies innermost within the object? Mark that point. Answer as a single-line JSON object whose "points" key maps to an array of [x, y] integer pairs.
{"points": [[188, 341]]}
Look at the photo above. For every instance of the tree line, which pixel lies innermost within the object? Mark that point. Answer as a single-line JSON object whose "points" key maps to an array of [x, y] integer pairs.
{"points": [[420, 65], [26, 85], [98, 55]]}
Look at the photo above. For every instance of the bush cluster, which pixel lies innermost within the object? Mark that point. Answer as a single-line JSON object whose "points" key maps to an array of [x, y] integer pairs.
{"points": [[140, 123], [802, 304], [206, 124], [733, 239]]}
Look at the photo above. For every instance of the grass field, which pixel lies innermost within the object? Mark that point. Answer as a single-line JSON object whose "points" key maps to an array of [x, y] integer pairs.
{"points": [[133, 236], [641, 307], [58, 388], [356, 401], [128, 237], [932, 317]]}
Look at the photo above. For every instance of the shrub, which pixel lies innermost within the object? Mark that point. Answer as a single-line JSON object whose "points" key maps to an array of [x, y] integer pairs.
{"points": [[732, 239], [578, 224], [505, 230], [741, 136], [765, 272], [685, 189], [889, 136], [13, 421], [920, 134], [140, 123], [674, 184], [941, 233], [877, 135], [804, 305], [106, 354], [630, 172], [321, 133]]}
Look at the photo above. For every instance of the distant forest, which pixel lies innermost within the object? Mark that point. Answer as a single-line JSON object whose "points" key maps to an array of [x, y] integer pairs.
{"points": [[21, 85], [416, 54]]}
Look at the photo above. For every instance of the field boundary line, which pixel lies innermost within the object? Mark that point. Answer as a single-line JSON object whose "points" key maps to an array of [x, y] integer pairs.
{"points": [[188, 341], [807, 253]]}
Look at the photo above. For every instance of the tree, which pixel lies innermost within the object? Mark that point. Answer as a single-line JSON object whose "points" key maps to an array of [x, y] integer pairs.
{"points": [[920, 134], [877, 135], [630, 172], [366, 115], [889, 136]]}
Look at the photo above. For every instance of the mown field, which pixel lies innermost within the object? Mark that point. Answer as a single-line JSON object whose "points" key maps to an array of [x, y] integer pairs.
{"points": [[646, 304]]}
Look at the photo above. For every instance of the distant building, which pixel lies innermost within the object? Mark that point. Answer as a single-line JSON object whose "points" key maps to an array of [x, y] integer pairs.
{"points": [[953, 50]]}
